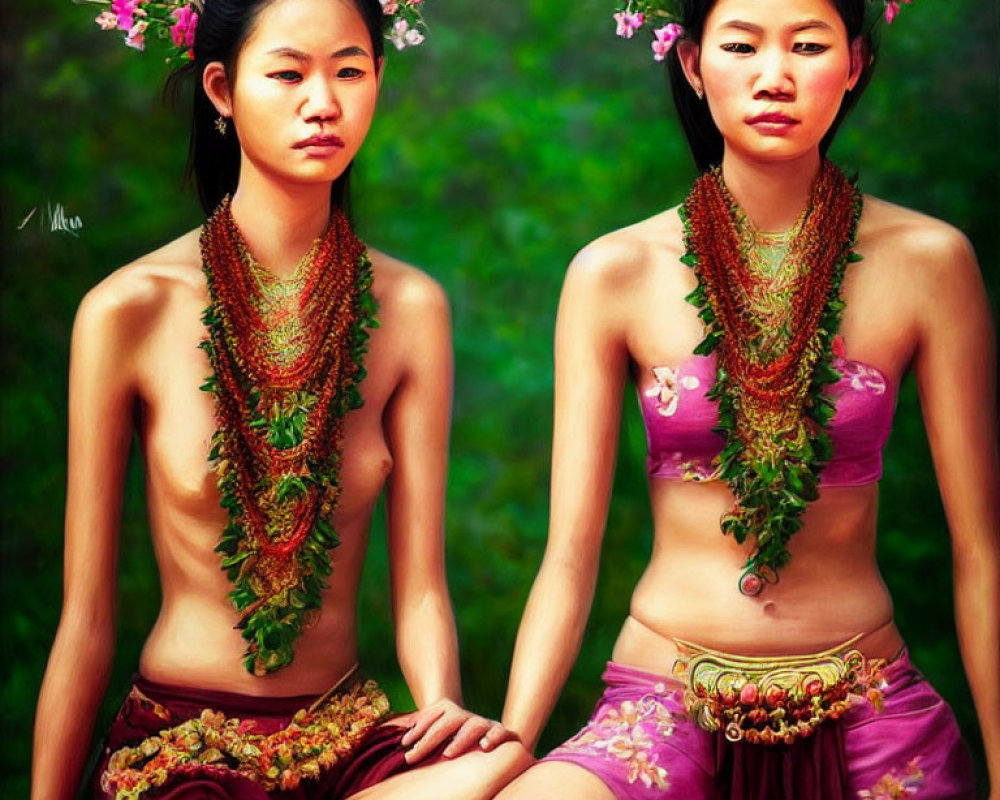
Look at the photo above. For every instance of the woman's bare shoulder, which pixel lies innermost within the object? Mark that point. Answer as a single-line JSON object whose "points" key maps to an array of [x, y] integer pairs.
{"points": [[127, 302], [403, 289], [926, 265], [920, 244], [622, 257], [145, 282], [414, 319]]}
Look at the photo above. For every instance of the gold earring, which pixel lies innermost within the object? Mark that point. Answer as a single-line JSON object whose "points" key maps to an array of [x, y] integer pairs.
{"points": [[221, 125], [699, 92]]}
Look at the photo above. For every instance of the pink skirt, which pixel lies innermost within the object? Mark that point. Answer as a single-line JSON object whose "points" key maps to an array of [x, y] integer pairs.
{"points": [[642, 744]]}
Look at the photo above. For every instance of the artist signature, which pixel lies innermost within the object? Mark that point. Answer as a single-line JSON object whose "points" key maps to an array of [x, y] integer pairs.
{"points": [[54, 218]]}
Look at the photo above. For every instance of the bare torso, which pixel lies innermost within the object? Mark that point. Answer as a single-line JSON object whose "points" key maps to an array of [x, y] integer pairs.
{"points": [[194, 641], [832, 589]]}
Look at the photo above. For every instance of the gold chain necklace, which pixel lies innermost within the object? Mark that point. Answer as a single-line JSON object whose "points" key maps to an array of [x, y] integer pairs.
{"points": [[280, 302]]}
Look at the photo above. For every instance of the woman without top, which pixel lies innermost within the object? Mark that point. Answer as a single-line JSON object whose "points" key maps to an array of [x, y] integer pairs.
{"points": [[693, 706], [297, 82]]}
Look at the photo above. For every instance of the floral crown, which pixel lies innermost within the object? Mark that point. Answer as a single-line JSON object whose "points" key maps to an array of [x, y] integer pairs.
{"points": [[666, 14], [177, 20]]}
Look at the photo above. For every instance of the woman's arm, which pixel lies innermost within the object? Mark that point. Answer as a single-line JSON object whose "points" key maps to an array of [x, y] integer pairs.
{"points": [[590, 368], [418, 420], [79, 666], [956, 374], [417, 424]]}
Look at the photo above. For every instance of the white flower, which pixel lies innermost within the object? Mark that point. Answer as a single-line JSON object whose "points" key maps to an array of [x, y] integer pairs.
{"points": [[668, 387]]}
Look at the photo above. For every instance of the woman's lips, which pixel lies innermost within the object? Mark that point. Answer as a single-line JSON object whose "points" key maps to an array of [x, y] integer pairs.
{"points": [[772, 123], [321, 144]]}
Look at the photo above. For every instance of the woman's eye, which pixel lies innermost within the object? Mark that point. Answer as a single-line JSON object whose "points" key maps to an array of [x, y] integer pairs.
{"points": [[287, 76], [809, 48], [350, 72], [738, 47]]}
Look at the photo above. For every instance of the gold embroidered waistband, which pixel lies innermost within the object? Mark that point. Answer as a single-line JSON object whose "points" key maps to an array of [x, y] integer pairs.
{"points": [[769, 700]]}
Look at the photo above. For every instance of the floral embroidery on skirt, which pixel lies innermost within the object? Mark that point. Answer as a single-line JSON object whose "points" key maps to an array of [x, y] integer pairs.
{"points": [[626, 733], [893, 786]]}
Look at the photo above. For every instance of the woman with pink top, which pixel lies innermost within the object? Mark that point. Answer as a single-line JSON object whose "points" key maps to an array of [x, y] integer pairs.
{"points": [[766, 323]]}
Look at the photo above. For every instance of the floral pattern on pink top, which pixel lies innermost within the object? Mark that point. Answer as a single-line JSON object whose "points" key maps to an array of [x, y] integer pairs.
{"points": [[666, 390], [681, 420], [667, 394], [861, 377], [893, 786]]}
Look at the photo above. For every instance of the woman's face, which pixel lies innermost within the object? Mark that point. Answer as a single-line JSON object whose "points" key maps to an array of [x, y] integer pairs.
{"points": [[304, 90], [773, 72]]}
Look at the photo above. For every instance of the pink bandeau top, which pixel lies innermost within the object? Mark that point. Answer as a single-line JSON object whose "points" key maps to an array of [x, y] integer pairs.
{"points": [[679, 419]]}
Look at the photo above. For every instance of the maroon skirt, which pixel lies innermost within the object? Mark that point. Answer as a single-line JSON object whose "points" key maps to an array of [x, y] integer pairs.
{"points": [[178, 743]]}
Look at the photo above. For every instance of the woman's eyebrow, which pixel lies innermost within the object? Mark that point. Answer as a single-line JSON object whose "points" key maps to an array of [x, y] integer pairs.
{"points": [[740, 25], [750, 27], [811, 24], [291, 52], [353, 50]]}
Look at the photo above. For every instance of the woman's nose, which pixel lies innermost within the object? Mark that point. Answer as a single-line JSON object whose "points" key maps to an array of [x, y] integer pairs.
{"points": [[775, 77], [322, 103]]}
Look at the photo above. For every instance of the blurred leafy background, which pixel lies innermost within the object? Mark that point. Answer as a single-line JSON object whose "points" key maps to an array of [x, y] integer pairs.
{"points": [[518, 133]]}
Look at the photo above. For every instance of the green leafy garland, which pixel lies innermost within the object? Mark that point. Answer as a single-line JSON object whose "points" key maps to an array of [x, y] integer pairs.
{"points": [[773, 474], [276, 448]]}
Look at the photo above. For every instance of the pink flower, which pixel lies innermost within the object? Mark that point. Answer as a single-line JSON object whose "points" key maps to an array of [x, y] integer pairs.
{"points": [[125, 11], [182, 32], [136, 38], [400, 34], [892, 9], [665, 38], [403, 36], [389, 7], [628, 23], [107, 21]]}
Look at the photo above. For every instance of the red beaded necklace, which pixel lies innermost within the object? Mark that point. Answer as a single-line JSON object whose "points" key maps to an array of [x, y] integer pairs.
{"points": [[287, 360], [773, 360]]}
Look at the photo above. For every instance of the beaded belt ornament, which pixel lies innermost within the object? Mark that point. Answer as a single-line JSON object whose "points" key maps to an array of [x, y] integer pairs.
{"points": [[212, 744], [774, 700]]}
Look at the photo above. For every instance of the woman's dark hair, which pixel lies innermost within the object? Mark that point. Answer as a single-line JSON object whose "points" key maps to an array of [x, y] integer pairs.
{"points": [[703, 137], [223, 28]]}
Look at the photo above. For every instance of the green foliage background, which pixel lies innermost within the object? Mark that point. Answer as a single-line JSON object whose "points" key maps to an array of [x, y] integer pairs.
{"points": [[521, 131]]}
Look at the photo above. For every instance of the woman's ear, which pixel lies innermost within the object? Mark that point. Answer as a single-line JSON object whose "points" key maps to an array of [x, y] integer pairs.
{"points": [[379, 70], [216, 85], [860, 57], [689, 54]]}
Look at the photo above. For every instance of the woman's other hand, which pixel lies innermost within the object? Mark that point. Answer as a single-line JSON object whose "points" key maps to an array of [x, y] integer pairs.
{"points": [[432, 726]]}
